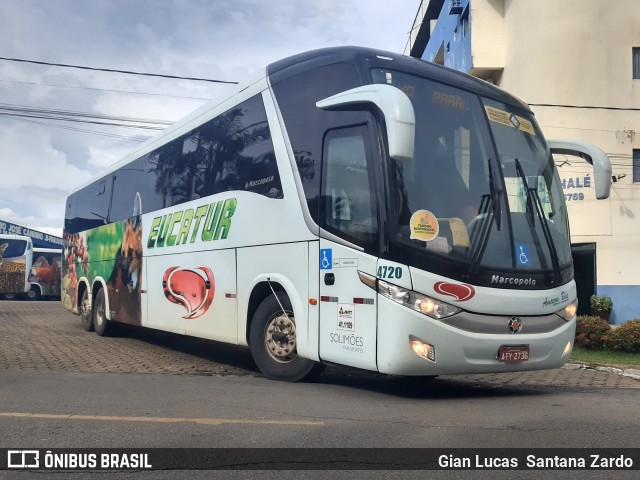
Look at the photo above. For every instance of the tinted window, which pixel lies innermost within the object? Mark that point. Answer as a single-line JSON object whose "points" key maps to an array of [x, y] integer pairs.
{"points": [[230, 152], [127, 181], [92, 205], [306, 124], [348, 200], [12, 248]]}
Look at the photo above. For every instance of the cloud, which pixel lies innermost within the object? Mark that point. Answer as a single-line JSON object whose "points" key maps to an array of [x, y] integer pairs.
{"points": [[36, 176], [219, 39]]}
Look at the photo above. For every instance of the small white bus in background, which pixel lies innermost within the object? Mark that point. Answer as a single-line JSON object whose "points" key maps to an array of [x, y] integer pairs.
{"points": [[16, 256], [349, 206]]}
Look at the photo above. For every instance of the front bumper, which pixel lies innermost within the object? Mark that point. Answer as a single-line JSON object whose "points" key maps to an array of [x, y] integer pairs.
{"points": [[459, 351]]}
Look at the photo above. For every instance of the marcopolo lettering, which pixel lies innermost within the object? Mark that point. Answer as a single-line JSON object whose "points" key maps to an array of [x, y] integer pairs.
{"points": [[500, 280], [257, 183], [209, 222]]}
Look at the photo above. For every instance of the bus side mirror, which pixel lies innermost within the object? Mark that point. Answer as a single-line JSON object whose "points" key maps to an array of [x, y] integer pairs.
{"points": [[395, 106], [592, 154]]}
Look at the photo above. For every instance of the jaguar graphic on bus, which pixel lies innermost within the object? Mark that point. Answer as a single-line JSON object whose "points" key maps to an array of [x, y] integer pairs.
{"points": [[347, 206], [16, 256]]}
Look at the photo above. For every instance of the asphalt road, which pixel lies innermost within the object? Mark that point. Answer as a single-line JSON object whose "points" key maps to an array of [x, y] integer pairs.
{"points": [[63, 387]]}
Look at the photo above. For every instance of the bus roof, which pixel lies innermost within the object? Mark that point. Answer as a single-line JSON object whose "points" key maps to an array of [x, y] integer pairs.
{"points": [[371, 58]]}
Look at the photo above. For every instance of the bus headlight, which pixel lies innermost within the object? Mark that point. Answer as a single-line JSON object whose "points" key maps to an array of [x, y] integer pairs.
{"points": [[568, 312], [416, 301]]}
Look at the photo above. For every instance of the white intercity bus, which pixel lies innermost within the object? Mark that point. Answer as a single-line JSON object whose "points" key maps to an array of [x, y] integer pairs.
{"points": [[349, 206], [16, 255]]}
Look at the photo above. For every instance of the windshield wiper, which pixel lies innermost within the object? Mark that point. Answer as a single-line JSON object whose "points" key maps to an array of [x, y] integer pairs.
{"points": [[534, 204], [490, 208]]}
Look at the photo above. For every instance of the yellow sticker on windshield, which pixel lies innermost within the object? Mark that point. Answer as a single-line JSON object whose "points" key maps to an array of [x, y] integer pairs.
{"points": [[510, 120], [423, 226]]}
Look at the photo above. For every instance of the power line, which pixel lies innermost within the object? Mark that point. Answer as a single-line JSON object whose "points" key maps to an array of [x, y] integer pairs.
{"points": [[103, 89], [110, 70], [21, 112], [84, 130], [95, 122], [628, 109], [72, 113]]}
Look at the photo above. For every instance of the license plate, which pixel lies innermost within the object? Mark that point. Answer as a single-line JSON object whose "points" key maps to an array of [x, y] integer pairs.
{"points": [[513, 354]]}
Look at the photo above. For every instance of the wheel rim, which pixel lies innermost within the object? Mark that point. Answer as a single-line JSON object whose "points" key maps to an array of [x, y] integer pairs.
{"points": [[280, 338], [84, 307], [99, 314]]}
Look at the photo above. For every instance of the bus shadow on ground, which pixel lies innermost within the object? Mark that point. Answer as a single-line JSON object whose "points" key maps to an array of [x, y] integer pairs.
{"points": [[225, 358], [445, 387], [233, 359]]}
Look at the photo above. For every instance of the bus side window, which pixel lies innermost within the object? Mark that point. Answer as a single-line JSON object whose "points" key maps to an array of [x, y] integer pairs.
{"points": [[127, 181], [348, 202], [92, 204]]}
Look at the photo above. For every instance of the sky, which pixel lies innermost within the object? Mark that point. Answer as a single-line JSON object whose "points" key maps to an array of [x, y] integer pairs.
{"points": [[42, 160]]}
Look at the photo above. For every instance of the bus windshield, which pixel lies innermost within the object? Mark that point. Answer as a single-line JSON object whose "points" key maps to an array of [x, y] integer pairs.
{"points": [[462, 201]]}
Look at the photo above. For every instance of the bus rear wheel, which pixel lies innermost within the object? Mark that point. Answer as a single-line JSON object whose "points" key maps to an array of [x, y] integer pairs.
{"points": [[86, 319], [273, 340], [101, 324]]}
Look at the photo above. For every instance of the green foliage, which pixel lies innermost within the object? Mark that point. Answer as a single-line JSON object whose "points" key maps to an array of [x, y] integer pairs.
{"points": [[601, 303], [590, 331], [605, 357], [103, 244], [625, 338]]}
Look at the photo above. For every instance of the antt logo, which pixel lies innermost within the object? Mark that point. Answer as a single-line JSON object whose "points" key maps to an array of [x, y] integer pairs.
{"points": [[193, 288]]}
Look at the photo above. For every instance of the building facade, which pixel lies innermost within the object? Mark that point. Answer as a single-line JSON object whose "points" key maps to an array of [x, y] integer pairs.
{"points": [[577, 64]]}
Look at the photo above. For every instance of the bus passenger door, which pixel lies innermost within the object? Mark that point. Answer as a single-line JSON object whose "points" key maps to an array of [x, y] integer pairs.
{"points": [[348, 217]]}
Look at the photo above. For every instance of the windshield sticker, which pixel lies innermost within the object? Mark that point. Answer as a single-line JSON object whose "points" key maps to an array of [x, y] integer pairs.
{"points": [[424, 226], [510, 120]]}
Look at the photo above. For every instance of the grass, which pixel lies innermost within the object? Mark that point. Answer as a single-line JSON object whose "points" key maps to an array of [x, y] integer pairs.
{"points": [[605, 357]]}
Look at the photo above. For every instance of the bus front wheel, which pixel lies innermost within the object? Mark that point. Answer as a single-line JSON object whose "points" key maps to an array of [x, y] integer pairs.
{"points": [[101, 324], [273, 340]]}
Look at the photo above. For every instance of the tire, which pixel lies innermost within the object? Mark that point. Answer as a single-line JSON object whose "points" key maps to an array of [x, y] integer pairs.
{"points": [[34, 294], [9, 296], [84, 309], [101, 324], [277, 358]]}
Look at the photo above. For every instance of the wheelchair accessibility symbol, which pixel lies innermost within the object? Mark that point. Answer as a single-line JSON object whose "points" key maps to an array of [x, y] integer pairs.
{"points": [[523, 254], [326, 260]]}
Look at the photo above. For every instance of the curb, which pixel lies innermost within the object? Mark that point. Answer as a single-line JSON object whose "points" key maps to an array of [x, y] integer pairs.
{"points": [[626, 372]]}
